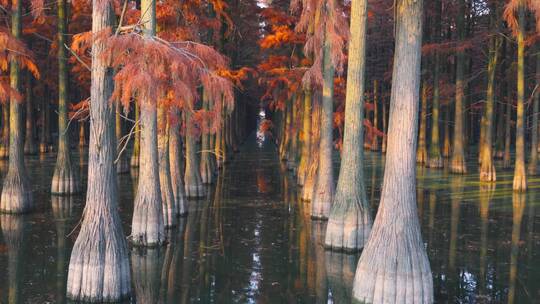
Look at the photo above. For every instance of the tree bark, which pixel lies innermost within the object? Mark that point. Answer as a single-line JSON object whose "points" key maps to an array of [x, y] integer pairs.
{"points": [[135, 154], [313, 165], [520, 177], [350, 221], [30, 147], [17, 190], [421, 152], [177, 167], [305, 138], [394, 267], [99, 266], [533, 164], [170, 205], [148, 223], [192, 178], [4, 145], [375, 138], [65, 179], [207, 168]]}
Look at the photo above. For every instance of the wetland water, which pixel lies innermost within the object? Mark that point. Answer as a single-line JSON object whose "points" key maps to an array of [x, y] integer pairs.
{"points": [[252, 241]]}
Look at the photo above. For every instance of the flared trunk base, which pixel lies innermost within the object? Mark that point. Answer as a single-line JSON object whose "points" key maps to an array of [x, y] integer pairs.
{"points": [[16, 193], [349, 226]]}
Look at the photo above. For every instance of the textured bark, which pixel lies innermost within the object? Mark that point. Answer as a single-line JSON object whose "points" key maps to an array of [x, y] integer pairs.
{"points": [[384, 125], [520, 177], [167, 195], [16, 191], [135, 154], [99, 266], [219, 148], [4, 144], [292, 160], [446, 144], [313, 165], [192, 176], [305, 138], [324, 185], [206, 165], [122, 162], [487, 168], [375, 139], [394, 267], [30, 145], [65, 179], [507, 160], [533, 162], [457, 161], [177, 168], [13, 231], [148, 223], [421, 152], [350, 221], [499, 142], [285, 139]]}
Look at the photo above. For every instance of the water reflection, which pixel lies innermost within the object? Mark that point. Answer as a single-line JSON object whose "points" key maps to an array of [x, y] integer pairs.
{"points": [[62, 209], [518, 205], [14, 238]]}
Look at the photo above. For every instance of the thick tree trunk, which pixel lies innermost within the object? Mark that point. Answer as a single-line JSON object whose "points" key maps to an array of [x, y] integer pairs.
{"points": [[30, 146], [313, 164], [533, 164], [394, 267], [324, 185], [136, 153], [65, 179], [487, 168], [520, 177], [170, 211], [458, 162], [292, 160], [305, 138], [192, 179], [285, 138], [17, 190], [177, 167], [421, 152], [350, 221], [207, 167], [99, 266], [148, 223], [122, 162]]}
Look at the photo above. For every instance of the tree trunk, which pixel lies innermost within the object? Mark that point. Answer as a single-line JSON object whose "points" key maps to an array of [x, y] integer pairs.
{"points": [[324, 186], [30, 147], [350, 221], [99, 266], [457, 162], [292, 160], [122, 162], [434, 156], [17, 190], [177, 167], [192, 178], [533, 165], [520, 177], [82, 133], [499, 142], [305, 138], [4, 146], [447, 149], [375, 138], [135, 154], [487, 168], [148, 223], [313, 165], [65, 179], [219, 146], [170, 205], [207, 169], [421, 152], [394, 267], [43, 146], [384, 126]]}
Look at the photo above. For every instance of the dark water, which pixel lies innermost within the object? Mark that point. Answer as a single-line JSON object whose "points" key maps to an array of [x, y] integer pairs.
{"points": [[251, 240]]}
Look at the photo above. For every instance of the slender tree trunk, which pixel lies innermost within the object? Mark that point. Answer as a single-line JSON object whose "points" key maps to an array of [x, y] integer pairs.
{"points": [[30, 147], [219, 147], [82, 134], [533, 165], [313, 165], [99, 265], [447, 149], [177, 167], [122, 163], [434, 156], [457, 162], [305, 138], [285, 139], [375, 138], [135, 154], [421, 152], [324, 186], [292, 161], [192, 179], [398, 271], [167, 196], [43, 145], [207, 169], [17, 190], [499, 142], [65, 179], [4, 146], [350, 221], [487, 168], [520, 177], [147, 228]]}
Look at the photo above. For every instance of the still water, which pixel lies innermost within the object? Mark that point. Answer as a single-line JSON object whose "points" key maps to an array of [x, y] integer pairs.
{"points": [[251, 240]]}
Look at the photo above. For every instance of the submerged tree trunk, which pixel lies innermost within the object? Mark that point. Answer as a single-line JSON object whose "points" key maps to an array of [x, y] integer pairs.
{"points": [[148, 224], [520, 177], [65, 179], [421, 152], [457, 162], [487, 168], [533, 165], [16, 191], [350, 222], [324, 185], [192, 176], [167, 196], [394, 267], [305, 138], [135, 154], [99, 266], [177, 167], [30, 147]]}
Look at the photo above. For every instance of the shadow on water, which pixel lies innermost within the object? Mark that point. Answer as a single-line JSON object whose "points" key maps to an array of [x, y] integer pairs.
{"points": [[251, 240]]}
